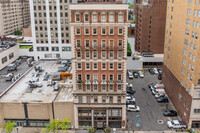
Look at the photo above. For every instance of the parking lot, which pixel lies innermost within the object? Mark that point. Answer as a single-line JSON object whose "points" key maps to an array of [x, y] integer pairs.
{"points": [[151, 112], [22, 68]]}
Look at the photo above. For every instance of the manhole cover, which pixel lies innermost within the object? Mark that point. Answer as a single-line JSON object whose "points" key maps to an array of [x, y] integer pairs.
{"points": [[160, 121]]}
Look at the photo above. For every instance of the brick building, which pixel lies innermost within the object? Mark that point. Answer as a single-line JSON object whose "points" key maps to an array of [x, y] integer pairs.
{"points": [[99, 34], [181, 73], [150, 25]]}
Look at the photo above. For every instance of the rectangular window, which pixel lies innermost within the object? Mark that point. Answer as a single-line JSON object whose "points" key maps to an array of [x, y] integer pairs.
{"points": [[103, 87], [111, 99], [103, 17], [118, 99], [78, 31], [4, 60], [88, 99], [111, 54], [119, 54], [187, 32], [119, 66], [111, 18], [87, 31], [77, 17], [111, 66], [55, 48], [120, 42], [78, 43], [80, 99], [95, 54], [120, 32], [87, 66], [86, 17], [87, 54], [120, 18], [87, 43], [103, 66], [111, 32], [95, 99], [94, 44], [103, 43], [188, 11], [103, 54], [11, 55], [94, 18], [188, 22], [103, 98], [94, 31], [79, 66], [95, 67], [103, 31], [78, 54]]}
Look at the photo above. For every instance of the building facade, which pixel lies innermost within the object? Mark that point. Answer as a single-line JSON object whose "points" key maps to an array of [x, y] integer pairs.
{"points": [[150, 25], [14, 15], [99, 47], [50, 29], [181, 73]]}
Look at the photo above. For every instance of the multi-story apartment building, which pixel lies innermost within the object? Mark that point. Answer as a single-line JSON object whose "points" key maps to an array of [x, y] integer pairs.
{"points": [[181, 69], [14, 15], [99, 47], [50, 29], [150, 25]]}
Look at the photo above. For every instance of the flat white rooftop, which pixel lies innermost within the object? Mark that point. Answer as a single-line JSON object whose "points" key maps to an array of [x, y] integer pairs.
{"points": [[21, 91]]}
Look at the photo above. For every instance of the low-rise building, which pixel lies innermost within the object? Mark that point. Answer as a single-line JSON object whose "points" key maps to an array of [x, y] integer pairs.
{"points": [[31, 106], [9, 52]]}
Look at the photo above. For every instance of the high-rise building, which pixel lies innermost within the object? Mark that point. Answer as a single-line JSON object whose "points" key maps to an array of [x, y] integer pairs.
{"points": [[150, 25], [14, 15], [181, 69], [99, 48], [50, 29]]}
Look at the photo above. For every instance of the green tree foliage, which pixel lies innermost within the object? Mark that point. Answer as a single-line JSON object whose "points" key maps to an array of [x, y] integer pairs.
{"points": [[9, 126], [129, 52], [17, 32], [91, 130], [107, 130], [55, 125]]}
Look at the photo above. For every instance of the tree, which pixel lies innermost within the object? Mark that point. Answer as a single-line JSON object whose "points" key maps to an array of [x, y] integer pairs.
{"points": [[54, 125], [9, 126], [17, 32]]}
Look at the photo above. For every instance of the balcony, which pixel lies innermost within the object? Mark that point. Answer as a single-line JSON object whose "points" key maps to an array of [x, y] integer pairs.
{"points": [[95, 82], [78, 46], [110, 82], [103, 82], [87, 82], [120, 47], [79, 81], [119, 82], [94, 47]]}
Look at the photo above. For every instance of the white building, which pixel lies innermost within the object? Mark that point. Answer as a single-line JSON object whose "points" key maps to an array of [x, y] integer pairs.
{"points": [[50, 31]]}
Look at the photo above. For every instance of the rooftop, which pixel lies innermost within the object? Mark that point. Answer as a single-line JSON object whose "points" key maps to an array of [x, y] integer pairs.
{"points": [[21, 91], [4, 45]]}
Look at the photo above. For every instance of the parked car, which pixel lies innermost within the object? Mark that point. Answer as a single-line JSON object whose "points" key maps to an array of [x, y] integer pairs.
{"points": [[176, 124], [130, 103], [160, 77], [12, 67], [158, 91], [159, 86], [130, 75], [135, 74], [150, 85], [170, 113], [129, 85], [159, 71], [163, 99], [129, 91], [151, 71], [159, 95], [141, 74], [155, 70], [133, 108], [130, 98]]}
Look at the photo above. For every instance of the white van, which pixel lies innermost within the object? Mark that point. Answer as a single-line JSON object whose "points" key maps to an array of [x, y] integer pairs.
{"points": [[159, 86], [158, 91]]}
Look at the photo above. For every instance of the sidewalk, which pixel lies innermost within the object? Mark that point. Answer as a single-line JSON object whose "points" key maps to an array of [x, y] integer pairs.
{"points": [[155, 132]]}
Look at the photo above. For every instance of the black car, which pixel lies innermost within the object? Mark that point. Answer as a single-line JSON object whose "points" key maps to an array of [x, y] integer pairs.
{"points": [[151, 71], [160, 77], [130, 102], [129, 91], [135, 74], [163, 99], [170, 113]]}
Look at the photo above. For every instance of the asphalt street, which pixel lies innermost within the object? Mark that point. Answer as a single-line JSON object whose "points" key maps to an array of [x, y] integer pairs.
{"points": [[150, 116]]}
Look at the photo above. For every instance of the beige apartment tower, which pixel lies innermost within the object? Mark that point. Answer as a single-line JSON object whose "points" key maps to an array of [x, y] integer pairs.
{"points": [[181, 69], [14, 15], [99, 47]]}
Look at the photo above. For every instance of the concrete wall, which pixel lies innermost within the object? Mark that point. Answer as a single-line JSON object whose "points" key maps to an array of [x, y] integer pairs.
{"points": [[64, 110], [14, 50]]}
